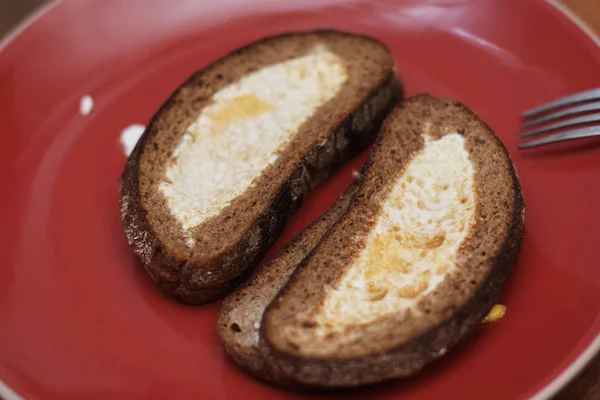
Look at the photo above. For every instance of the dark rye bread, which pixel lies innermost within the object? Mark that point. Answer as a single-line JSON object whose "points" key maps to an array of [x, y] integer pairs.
{"points": [[231, 243], [400, 344], [242, 311]]}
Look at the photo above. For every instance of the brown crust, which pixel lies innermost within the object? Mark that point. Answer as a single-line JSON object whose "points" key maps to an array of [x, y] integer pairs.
{"points": [[399, 346], [205, 275], [242, 310]]}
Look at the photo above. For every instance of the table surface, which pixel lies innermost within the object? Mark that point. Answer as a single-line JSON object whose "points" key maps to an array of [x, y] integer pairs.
{"points": [[587, 385]]}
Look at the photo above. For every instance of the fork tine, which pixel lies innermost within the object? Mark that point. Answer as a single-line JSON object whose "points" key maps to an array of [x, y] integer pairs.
{"points": [[587, 95], [585, 119], [588, 131], [563, 113]]}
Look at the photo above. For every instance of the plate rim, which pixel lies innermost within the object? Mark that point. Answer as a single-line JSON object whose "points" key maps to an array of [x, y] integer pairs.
{"points": [[552, 388]]}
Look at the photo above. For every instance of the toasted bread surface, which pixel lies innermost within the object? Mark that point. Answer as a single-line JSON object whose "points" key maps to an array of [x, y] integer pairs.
{"points": [[415, 263], [229, 156], [239, 320]]}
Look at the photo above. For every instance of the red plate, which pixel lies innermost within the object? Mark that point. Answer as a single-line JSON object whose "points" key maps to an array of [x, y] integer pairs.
{"points": [[80, 319]]}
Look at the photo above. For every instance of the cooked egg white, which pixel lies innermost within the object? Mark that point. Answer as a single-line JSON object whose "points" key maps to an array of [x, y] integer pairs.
{"points": [[130, 136], [413, 245], [242, 131]]}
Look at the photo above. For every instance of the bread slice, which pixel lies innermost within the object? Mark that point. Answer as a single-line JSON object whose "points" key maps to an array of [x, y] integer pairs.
{"points": [[414, 264], [242, 311], [233, 151]]}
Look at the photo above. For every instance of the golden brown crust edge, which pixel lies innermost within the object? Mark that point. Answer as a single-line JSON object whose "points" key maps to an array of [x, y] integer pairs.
{"points": [[172, 273], [408, 358]]}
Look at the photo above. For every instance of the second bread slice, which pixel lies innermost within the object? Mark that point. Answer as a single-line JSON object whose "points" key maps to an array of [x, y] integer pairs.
{"points": [[413, 265]]}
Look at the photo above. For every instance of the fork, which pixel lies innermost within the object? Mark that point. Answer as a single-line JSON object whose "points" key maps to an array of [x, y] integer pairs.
{"points": [[566, 112]]}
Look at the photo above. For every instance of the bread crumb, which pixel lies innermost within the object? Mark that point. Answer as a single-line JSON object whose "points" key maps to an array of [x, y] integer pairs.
{"points": [[86, 104], [495, 314]]}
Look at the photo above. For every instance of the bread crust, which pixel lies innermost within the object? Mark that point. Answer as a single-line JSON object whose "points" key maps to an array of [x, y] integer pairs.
{"points": [[392, 347], [199, 278], [242, 310]]}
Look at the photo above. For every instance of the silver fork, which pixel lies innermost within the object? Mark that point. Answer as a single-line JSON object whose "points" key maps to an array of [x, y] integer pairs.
{"points": [[553, 116]]}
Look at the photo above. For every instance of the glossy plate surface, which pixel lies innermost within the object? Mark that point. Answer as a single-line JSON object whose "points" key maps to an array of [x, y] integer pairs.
{"points": [[78, 316]]}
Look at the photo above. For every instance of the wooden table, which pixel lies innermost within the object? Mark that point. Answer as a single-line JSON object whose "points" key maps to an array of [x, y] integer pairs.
{"points": [[587, 385]]}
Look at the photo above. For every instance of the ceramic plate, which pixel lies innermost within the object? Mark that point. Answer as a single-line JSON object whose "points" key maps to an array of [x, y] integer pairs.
{"points": [[80, 319]]}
